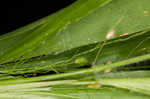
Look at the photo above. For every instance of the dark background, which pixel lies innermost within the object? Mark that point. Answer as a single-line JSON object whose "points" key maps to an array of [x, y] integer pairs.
{"points": [[15, 14]]}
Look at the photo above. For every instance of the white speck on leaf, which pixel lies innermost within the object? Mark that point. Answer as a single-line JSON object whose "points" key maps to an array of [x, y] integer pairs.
{"points": [[145, 13], [124, 34], [110, 34], [56, 53]]}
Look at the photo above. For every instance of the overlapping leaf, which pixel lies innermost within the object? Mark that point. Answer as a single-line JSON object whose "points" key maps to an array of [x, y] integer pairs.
{"points": [[86, 33]]}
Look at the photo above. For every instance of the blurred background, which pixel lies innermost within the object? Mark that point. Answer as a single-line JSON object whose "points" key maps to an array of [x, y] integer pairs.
{"points": [[15, 14]]}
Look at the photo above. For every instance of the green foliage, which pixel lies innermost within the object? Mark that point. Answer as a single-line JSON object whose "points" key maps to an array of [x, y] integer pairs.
{"points": [[91, 46]]}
